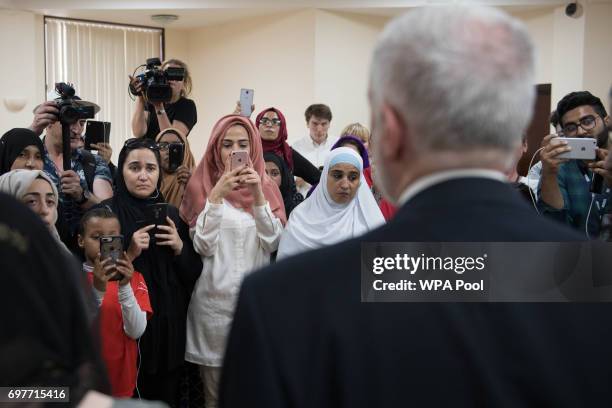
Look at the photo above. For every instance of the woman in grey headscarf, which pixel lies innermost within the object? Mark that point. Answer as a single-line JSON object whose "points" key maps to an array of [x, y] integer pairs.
{"points": [[36, 190]]}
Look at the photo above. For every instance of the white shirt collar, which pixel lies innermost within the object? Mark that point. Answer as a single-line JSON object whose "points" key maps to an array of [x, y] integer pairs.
{"points": [[436, 178]]}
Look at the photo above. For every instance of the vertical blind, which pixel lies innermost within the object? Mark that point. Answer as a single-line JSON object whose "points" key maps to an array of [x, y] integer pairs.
{"points": [[97, 58]]}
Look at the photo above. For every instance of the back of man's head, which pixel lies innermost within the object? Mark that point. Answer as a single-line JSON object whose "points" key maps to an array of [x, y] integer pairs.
{"points": [[461, 78], [574, 100]]}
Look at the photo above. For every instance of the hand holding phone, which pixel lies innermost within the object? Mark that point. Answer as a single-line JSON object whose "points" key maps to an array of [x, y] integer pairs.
{"points": [[111, 249], [140, 241], [239, 158], [125, 269], [96, 132], [246, 102], [170, 237]]}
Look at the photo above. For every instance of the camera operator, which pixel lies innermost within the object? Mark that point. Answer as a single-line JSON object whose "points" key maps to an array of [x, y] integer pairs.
{"points": [[89, 180], [565, 184], [179, 113]]}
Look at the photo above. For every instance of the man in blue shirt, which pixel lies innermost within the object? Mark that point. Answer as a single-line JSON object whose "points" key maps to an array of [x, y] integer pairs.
{"points": [[565, 184]]}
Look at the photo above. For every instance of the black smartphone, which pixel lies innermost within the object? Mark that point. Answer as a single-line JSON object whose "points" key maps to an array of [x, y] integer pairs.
{"points": [[176, 155], [96, 132], [111, 246], [156, 214]]}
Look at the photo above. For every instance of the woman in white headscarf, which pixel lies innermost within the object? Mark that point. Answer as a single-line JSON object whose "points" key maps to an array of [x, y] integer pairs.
{"points": [[36, 190], [341, 207]]}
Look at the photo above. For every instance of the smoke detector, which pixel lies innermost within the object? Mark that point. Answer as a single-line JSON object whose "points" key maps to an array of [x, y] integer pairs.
{"points": [[164, 18]]}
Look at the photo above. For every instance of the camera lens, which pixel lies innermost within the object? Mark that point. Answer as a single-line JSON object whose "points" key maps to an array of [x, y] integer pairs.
{"points": [[68, 115]]}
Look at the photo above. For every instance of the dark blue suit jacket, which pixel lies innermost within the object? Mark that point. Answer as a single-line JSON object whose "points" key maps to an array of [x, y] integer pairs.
{"points": [[302, 338]]}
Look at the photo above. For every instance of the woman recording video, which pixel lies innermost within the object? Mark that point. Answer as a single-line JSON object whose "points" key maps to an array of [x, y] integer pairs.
{"points": [[180, 112]]}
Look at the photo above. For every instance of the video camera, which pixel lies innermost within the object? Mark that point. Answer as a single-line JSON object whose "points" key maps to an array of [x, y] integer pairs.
{"points": [[154, 81], [70, 107]]}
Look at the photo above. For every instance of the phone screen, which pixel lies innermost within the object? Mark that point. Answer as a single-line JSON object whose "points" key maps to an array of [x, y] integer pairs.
{"points": [[176, 154], [156, 214], [96, 132]]}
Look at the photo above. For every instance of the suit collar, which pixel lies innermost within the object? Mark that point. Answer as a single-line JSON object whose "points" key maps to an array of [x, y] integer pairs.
{"points": [[431, 180]]}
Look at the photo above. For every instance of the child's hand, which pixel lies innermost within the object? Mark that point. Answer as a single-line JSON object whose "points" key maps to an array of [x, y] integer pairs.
{"points": [[125, 268], [103, 271]]}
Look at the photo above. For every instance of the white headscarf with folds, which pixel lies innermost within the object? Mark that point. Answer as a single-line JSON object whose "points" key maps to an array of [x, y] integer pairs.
{"points": [[320, 221], [17, 182]]}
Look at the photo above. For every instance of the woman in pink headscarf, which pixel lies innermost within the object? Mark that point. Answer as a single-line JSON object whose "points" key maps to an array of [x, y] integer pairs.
{"points": [[236, 217]]}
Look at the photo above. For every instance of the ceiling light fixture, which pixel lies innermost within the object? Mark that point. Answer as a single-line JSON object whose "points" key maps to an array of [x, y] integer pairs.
{"points": [[164, 18]]}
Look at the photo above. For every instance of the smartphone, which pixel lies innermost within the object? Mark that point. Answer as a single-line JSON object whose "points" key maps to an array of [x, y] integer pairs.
{"points": [[156, 214], [96, 132], [246, 102], [239, 158], [176, 154], [583, 148], [111, 246]]}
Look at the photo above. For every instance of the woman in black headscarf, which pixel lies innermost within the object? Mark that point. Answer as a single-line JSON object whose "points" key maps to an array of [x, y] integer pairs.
{"points": [[167, 261], [45, 338], [277, 170], [20, 149]]}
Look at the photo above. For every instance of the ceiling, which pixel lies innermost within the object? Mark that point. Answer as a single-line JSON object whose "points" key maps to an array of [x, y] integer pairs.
{"points": [[201, 13]]}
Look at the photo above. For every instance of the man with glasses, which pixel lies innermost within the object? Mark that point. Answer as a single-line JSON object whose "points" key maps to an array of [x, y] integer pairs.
{"points": [[565, 184]]}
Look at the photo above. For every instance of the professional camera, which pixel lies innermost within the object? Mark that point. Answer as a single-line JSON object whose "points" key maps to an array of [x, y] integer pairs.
{"points": [[154, 81], [71, 108]]}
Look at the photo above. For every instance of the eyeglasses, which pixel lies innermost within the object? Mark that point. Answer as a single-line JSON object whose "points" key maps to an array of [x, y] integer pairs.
{"points": [[271, 122], [139, 143], [586, 123], [163, 146]]}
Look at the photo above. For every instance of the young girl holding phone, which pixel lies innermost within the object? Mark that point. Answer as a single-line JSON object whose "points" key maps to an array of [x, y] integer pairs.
{"points": [[122, 298]]}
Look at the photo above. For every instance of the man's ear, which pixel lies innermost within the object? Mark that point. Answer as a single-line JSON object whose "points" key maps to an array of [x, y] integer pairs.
{"points": [[80, 241], [395, 141]]}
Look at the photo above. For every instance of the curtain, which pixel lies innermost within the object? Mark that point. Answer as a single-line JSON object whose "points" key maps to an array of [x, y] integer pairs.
{"points": [[97, 59]]}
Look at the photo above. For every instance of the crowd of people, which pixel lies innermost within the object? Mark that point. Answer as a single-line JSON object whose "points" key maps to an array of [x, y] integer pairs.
{"points": [[157, 320]]}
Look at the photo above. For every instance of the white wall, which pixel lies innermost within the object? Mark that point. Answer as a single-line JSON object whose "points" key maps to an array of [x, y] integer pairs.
{"points": [[598, 51], [572, 54], [176, 44], [309, 56], [22, 73], [272, 55], [540, 25], [343, 45]]}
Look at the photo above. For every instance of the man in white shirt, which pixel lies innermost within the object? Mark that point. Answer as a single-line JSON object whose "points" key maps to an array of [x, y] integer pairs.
{"points": [[317, 144]]}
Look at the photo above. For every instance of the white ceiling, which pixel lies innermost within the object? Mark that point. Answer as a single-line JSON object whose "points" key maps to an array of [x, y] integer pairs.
{"points": [[201, 13]]}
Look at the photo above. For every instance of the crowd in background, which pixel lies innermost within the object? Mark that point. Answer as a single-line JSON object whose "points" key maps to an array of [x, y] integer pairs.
{"points": [[164, 307]]}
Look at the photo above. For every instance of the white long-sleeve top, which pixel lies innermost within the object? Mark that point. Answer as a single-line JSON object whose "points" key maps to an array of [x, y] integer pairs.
{"points": [[134, 318], [232, 244]]}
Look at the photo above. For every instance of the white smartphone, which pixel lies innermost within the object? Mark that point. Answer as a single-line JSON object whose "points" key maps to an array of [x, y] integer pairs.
{"points": [[246, 102], [583, 148]]}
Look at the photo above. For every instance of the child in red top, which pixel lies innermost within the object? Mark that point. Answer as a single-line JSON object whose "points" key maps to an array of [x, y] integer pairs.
{"points": [[124, 304]]}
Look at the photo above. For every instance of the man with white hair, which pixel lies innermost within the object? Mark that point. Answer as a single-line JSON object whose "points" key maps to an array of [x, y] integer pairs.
{"points": [[451, 93]]}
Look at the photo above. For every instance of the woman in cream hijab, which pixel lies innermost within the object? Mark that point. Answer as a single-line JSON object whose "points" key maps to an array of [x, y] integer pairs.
{"points": [[36, 190], [340, 207]]}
